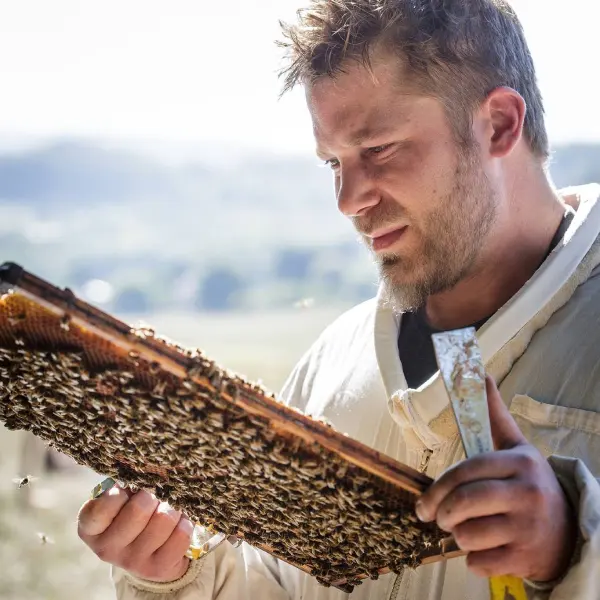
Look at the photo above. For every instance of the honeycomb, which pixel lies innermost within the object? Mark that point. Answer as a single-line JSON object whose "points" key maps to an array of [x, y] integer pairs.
{"points": [[137, 407]]}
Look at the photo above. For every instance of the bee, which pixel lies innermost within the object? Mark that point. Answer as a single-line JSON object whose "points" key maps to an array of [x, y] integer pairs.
{"points": [[195, 371], [189, 385], [105, 388], [130, 390], [143, 331], [44, 539], [154, 368], [13, 321], [24, 481], [64, 323], [159, 389]]}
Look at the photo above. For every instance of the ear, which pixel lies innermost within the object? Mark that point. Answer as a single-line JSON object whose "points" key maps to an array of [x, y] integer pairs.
{"points": [[501, 120]]}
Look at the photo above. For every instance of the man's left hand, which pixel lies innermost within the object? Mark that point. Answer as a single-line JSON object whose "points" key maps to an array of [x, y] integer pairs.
{"points": [[506, 508]]}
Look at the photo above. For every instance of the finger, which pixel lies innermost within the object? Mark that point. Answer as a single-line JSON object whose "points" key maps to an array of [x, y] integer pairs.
{"points": [[485, 533], [497, 561], [171, 553], [130, 522], [475, 500], [505, 431], [493, 465], [95, 516], [158, 530]]}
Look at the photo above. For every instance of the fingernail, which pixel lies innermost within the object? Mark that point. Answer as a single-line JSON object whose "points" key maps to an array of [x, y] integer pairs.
{"points": [[421, 512], [186, 526], [102, 487], [167, 509]]}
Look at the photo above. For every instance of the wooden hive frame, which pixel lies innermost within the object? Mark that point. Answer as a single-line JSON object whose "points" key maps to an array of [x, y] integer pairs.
{"points": [[150, 413]]}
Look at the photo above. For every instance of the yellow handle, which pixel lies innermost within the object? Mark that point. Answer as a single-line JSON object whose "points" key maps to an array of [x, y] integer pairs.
{"points": [[507, 587]]}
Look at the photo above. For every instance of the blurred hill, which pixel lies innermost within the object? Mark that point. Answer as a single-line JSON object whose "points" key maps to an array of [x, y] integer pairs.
{"points": [[136, 234]]}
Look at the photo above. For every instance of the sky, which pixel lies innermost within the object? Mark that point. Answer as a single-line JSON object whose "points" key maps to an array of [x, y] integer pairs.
{"points": [[200, 73]]}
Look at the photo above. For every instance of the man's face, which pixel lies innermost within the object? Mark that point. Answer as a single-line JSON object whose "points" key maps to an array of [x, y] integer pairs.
{"points": [[420, 200]]}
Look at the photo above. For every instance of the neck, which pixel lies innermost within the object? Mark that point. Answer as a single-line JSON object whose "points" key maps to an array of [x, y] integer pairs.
{"points": [[520, 241]]}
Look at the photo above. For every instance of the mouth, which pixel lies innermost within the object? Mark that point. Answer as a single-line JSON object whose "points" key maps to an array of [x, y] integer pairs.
{"points": [[382, 240]]}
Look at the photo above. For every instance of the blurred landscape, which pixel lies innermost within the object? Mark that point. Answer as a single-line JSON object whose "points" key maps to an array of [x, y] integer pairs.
{"points": [[138, 235], [244, 256]]}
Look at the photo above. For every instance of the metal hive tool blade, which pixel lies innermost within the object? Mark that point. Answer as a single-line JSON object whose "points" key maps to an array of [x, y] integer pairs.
{"points": [[462, 370]]}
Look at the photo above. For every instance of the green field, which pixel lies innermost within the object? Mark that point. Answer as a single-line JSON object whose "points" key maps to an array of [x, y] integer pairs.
{"points": [[260, 346]]}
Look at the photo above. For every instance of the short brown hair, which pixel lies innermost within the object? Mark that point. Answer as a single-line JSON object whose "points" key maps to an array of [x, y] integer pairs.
{"points": [[455, 50]]}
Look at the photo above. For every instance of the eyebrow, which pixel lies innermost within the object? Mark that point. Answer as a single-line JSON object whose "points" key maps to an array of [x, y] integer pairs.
{"points": [[364, 134], [368, 133]]}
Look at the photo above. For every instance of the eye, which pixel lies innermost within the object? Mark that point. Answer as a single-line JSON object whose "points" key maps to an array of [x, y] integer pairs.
{"points": [[332, 163], [380, 149]]}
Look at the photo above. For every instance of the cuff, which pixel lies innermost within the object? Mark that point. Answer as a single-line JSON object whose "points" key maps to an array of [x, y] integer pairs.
{"points": [[194, 569]]}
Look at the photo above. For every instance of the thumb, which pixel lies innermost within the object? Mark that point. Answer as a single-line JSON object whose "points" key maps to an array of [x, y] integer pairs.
{"points": [[505, 431]]}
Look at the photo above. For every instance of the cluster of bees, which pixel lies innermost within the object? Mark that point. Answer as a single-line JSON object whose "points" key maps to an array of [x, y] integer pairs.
{"points": [[227, 469]]}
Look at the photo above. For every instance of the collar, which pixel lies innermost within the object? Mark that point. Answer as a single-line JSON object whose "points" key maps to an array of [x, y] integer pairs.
{"points": [[545, 293]]}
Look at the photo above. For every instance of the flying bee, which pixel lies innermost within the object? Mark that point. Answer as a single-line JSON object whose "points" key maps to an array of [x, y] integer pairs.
{"points": [[44, 539], [23, 481]]}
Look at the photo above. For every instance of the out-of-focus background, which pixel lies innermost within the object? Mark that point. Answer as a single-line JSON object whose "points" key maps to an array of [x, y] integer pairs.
{"points": [[147, 163]]}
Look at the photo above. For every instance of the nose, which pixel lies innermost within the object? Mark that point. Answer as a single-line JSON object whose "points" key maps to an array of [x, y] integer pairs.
{"points": [[355, 190]]}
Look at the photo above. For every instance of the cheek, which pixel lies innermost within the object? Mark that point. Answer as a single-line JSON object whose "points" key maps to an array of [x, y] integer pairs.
{"points": [[440, 170], [416, 183]]}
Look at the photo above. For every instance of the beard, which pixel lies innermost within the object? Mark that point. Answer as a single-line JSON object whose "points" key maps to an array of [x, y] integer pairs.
{"points": [[451, 238]]}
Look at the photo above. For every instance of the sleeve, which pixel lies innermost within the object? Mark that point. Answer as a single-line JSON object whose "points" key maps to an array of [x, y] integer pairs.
{"points": [[582, 580], [296, 390], [228, 573]]}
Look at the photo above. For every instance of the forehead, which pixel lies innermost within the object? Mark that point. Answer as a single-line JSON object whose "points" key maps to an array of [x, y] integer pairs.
{"points": [[362, 102]]}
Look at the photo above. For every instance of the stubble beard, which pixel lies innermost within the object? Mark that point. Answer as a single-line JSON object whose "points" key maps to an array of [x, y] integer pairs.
{"points": [[452, 236]]}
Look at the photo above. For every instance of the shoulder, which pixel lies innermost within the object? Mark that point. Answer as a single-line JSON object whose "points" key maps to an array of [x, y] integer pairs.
{"points": [[356, 319], [560, 365], [350, 330], [576, 323]]}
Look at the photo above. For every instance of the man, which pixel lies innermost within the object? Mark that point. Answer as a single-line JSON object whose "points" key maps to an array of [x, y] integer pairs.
{"points": [[429, 115]]}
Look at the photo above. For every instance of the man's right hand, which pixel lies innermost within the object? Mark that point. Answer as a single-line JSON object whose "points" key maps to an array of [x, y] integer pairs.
{"points": [[138, 533]]}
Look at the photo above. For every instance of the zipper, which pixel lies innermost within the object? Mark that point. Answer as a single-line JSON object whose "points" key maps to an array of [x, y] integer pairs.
{"points": [[426, 457], [422, 468], [396, 586], [425, 460]]}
